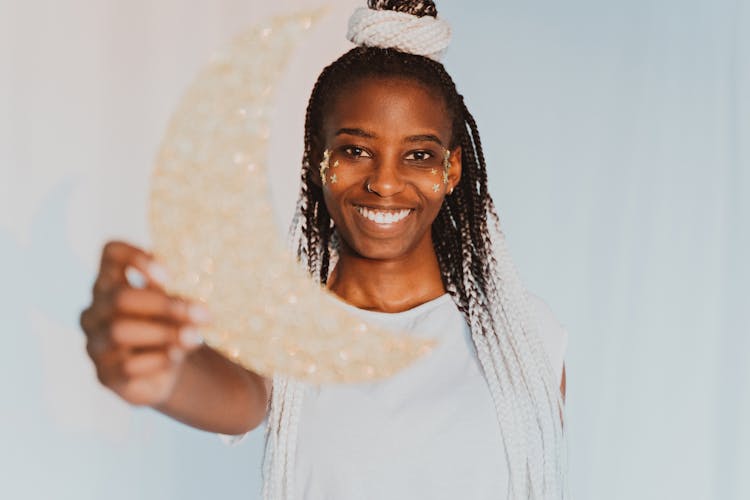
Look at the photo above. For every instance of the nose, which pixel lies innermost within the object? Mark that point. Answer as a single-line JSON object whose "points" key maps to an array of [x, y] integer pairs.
{"points": [[385, 179]]}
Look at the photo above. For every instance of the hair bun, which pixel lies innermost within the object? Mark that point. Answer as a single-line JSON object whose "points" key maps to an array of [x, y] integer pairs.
{"points": [[411, 27], [419, 8]]}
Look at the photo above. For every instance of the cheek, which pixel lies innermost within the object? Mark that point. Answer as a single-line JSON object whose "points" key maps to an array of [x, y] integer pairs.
{"points": [[341, 179], [431, 185]]}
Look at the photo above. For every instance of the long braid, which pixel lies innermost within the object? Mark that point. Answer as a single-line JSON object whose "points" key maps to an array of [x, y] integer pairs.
{"points": [[475, 269]]}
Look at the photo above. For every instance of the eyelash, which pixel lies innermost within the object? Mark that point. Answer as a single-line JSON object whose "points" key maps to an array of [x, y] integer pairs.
{"points": [[349, 151], [428, 153]]}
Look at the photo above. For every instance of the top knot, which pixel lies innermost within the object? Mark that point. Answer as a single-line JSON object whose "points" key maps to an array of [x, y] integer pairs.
{"points": [[402, 25], [419, 8]]}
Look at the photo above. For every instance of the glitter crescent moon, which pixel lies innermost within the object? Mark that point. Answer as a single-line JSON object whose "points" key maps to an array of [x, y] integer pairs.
{"points": [[212, 226]]}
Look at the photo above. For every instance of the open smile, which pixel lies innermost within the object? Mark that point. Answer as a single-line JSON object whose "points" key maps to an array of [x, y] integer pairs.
{"points": [[383, 218]]}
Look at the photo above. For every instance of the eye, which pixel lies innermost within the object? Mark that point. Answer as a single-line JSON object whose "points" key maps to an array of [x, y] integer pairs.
{"points": [[419, 156], [356, 152]]}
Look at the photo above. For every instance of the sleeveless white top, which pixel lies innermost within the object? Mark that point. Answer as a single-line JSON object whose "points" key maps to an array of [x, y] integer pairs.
{"points": [[429, 431]]}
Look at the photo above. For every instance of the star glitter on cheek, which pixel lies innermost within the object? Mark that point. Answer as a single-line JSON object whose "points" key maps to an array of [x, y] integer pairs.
{"points": [[334, 179], [435, 187]]}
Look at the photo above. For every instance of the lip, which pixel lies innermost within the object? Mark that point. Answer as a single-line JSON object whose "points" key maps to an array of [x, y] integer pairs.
{"points": [[382, 207]]}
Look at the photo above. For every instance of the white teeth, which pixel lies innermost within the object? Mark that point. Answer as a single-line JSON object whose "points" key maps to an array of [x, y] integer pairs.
{"points": [[384, 216]]}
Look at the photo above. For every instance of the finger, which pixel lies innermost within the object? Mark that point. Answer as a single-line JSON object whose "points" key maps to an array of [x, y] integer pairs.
{"points": [[146, 363], [151, 389], [189, 338], [132, 332], [105, 357], [87, 321], [117, 256], [97, 346], [148, 303]]}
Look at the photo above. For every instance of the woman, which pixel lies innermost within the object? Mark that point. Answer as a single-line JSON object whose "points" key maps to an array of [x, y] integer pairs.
{"points": [[395, 219]]}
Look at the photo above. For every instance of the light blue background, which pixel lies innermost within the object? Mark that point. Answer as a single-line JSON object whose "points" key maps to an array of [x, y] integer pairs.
{"points": [[617, 138]]}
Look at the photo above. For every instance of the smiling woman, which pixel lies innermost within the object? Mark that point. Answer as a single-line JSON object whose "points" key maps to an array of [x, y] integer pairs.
{"points": [[394, 217]]}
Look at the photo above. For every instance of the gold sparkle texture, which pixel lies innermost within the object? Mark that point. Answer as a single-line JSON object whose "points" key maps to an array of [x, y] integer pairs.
{"points": [[446, 165], [324, 165], [212, 226], [447, 159]]}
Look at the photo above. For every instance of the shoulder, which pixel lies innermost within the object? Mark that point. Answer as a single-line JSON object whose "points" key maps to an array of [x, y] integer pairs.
{"points": [[554, 334]]}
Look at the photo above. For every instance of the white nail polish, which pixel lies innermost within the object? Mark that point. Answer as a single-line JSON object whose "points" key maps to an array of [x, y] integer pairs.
{"points": [[134, 277], [189, 337], [158, 273]]}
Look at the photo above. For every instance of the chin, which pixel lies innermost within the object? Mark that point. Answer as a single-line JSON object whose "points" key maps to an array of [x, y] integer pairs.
{"points": [[379, 250]]}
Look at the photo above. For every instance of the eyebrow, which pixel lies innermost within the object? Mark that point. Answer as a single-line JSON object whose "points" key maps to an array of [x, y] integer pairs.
{"points": [[356, 131], [424, 137], [369, 135]]}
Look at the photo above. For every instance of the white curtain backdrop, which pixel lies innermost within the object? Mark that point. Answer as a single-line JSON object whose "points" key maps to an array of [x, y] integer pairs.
{"points": [[618, 143]]}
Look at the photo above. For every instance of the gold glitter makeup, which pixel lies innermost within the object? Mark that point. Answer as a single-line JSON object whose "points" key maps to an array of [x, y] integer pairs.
{"points": [[446, 165], [324, 165]]}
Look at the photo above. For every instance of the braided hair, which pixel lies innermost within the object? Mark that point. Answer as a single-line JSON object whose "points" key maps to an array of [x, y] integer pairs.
{"points": [[475, 270]]}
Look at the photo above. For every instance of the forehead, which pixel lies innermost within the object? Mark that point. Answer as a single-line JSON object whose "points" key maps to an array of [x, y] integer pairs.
{"points": [[389, 105]]}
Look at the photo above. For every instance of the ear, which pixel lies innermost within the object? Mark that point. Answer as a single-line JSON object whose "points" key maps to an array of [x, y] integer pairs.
{"points": [[454, 172]]}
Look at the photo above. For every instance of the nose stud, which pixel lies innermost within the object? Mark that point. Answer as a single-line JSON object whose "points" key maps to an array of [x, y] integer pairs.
{"points": [[369, 189]]}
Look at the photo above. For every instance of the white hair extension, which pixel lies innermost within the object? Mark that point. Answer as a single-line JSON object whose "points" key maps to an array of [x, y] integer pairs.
{"points": [[298, 391], [499, 386], [424, 36], [518, 338], [281, 438], [272, 449]]}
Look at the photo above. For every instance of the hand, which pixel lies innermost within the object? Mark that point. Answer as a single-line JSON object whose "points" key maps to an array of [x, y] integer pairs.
{"points": [[138, 338]]}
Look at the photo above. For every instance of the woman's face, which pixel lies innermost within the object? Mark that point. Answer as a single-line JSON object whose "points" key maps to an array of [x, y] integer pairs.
{"points": [[392, 134]]}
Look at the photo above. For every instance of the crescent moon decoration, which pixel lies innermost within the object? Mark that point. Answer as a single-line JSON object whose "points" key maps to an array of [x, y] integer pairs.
{"points": [[212, 227]]}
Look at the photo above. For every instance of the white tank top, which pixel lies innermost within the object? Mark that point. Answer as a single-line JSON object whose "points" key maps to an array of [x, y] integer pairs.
{"points": [[429, 431]]}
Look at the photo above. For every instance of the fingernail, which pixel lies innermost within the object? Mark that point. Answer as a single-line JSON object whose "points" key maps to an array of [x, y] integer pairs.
{"points": [[134, 277], [158, 273], [198, 313], [189, 337]]}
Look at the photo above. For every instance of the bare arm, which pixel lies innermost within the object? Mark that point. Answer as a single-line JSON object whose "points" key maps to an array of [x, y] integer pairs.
{"points": [[214, 394]]}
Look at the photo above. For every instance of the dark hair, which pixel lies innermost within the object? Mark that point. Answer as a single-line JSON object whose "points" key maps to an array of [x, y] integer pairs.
{"points": [[460, 228]]}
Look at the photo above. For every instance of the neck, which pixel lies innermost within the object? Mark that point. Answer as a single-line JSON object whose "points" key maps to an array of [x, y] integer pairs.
{"points": [[387, 285]]}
